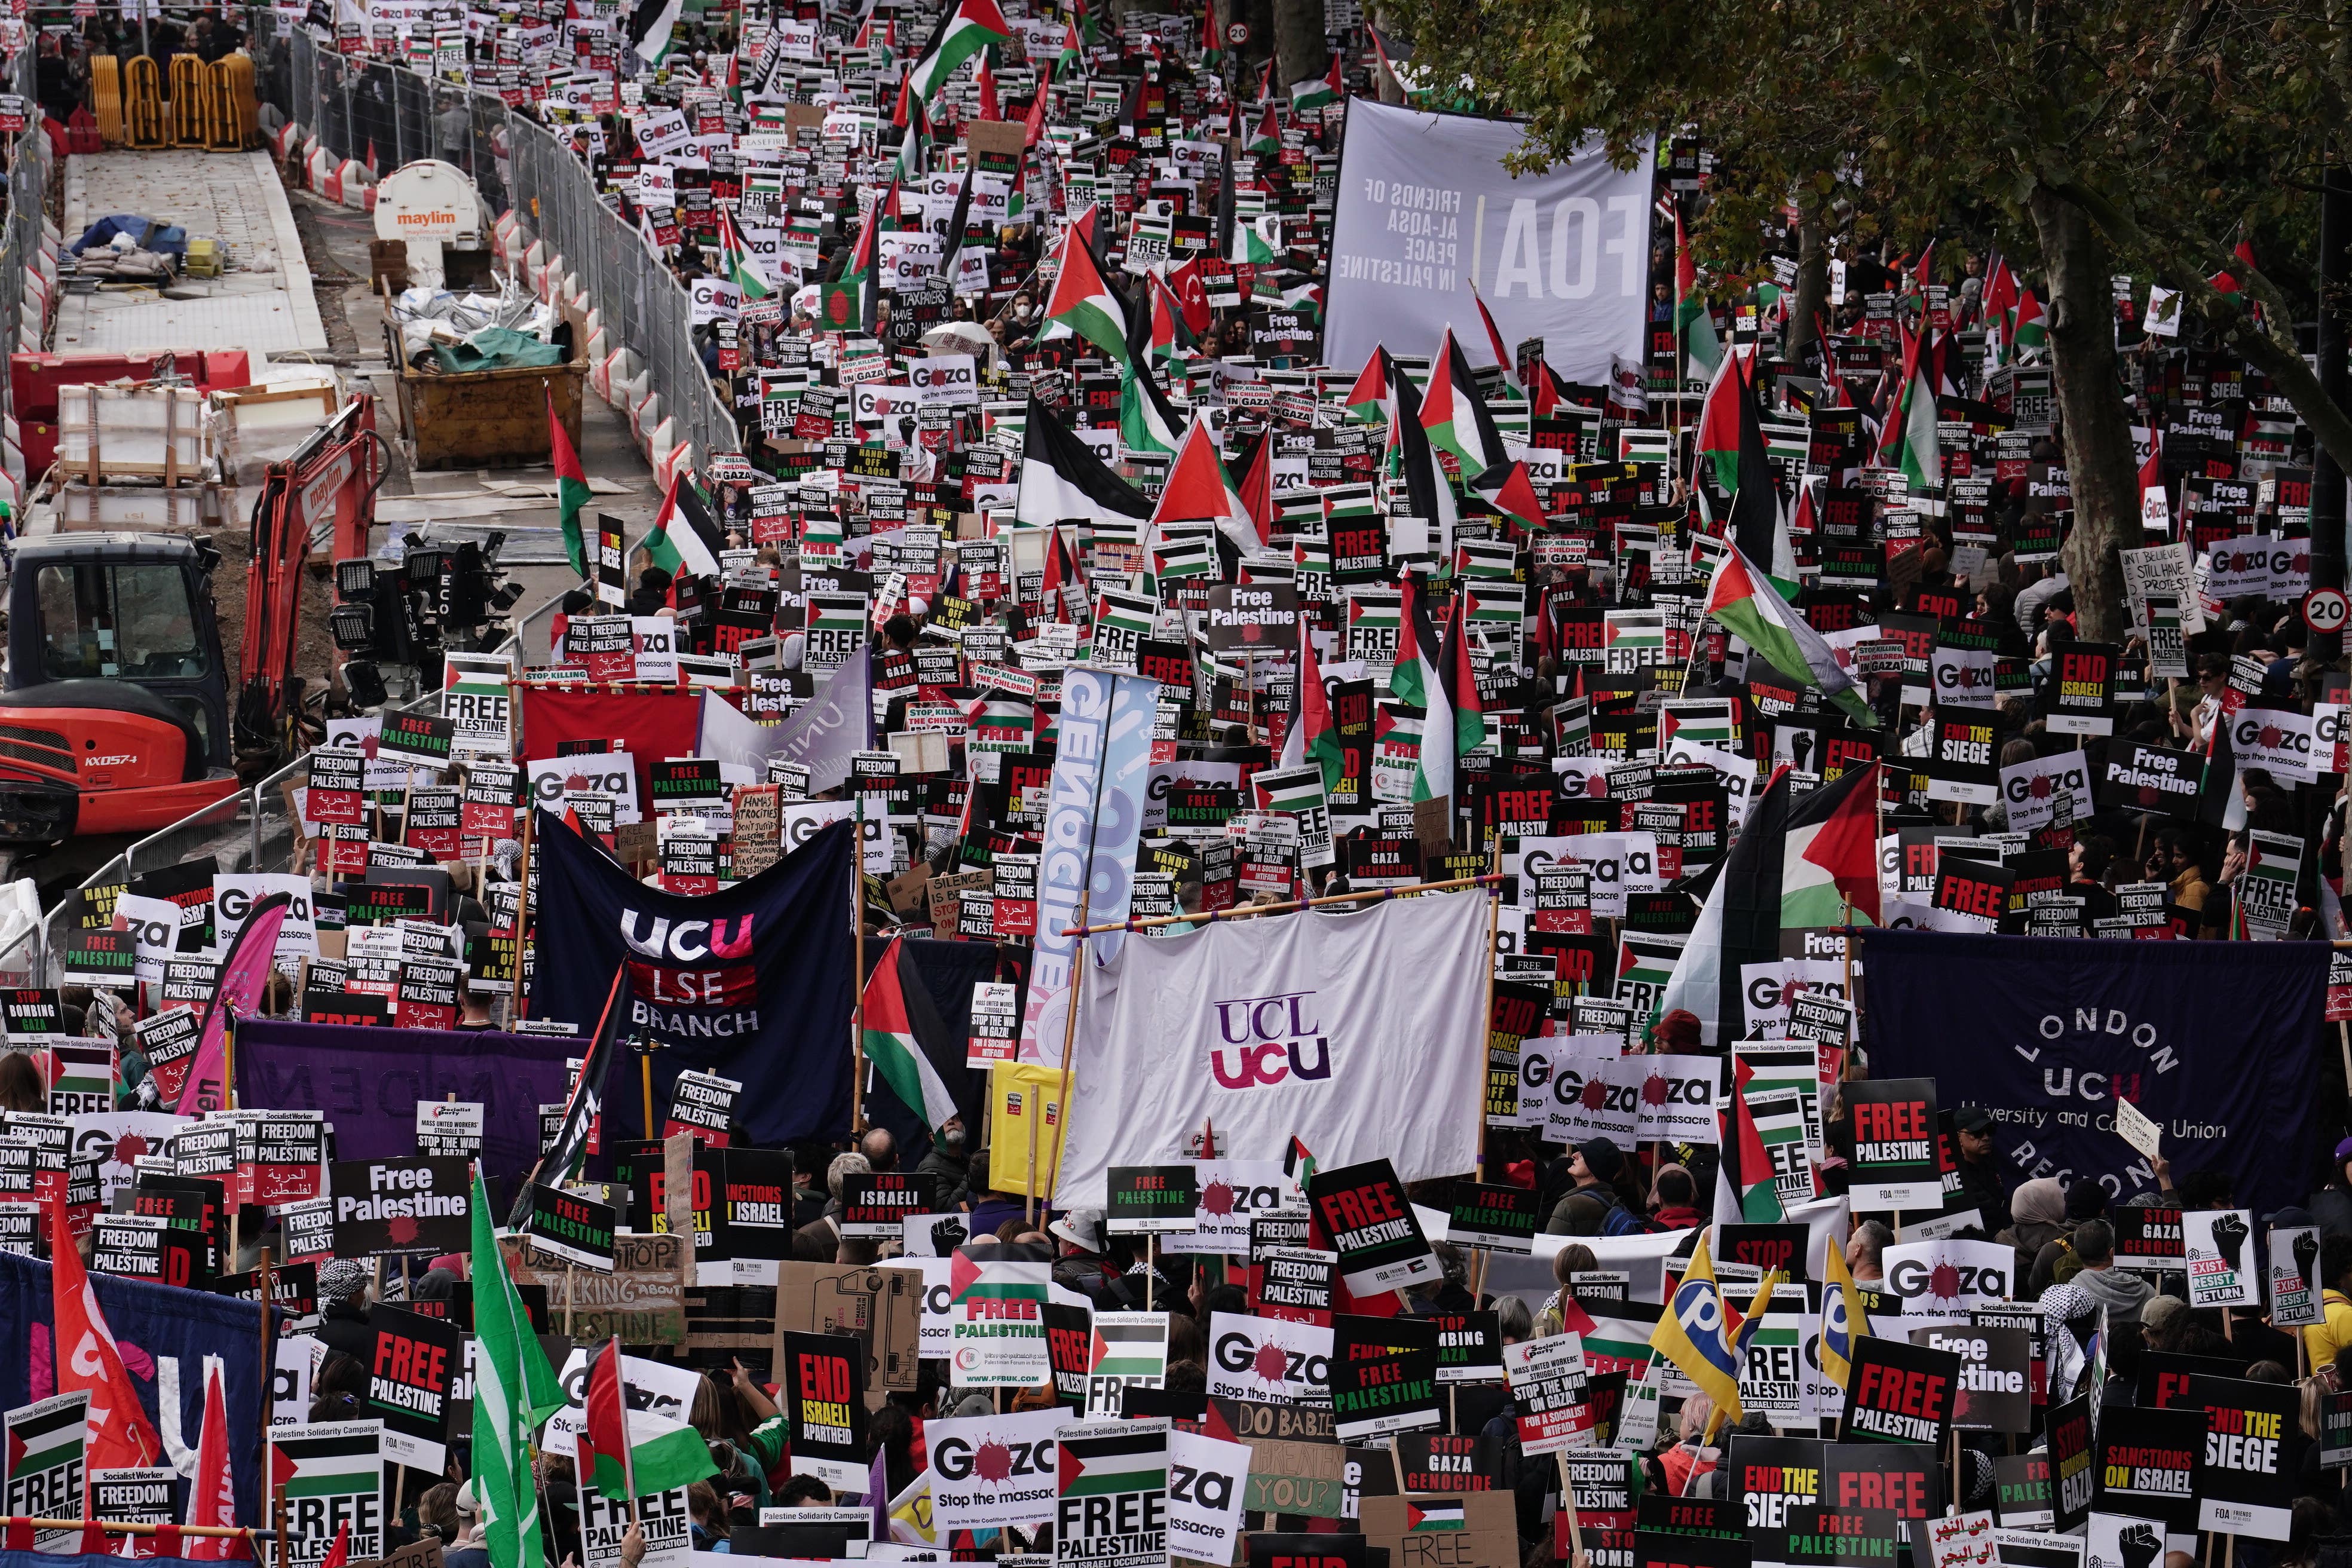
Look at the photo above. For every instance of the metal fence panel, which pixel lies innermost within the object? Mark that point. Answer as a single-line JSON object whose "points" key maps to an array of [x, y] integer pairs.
{"points": [[355, 107]]}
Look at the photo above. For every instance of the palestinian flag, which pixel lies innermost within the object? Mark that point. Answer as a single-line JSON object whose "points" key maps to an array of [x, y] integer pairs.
{"points": [[1116, 1462], [1297, 1163], [1454, 415], [1198, 489], [1433, 1513], [1148, 422], [2030, 329], [1616, 1333], [1258, 492], [1421, 678], [1083, 302], [572, 491], [560, 1160], [1758, 523], [1796, 865], [1749, 607], [686, 539], [735, 260], [1909, 443], [1693, 327], [1409, 451], [997, 1271], [1257, 242], [1494, 341], [1506, 487], [1266, 140], [1312, 737], [1461, 681], [629, 1453], [1368, 400], [909, 1043], [1759, 1194], [975, 25], [910, 163], [1717, 437], [1310, 97], [1062, 478]]}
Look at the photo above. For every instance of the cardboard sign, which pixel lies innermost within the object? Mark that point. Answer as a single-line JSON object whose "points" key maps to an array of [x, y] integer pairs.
{"points": [[1900, 1392], [1362, 1209], [2074, 1471], [412, 1372], [1427, 1532], [2249, 1483], [2293, 1271], [1125, 1351], [1383, 1376]]}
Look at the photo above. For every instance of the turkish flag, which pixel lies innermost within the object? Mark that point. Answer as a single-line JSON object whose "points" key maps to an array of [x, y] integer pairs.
{"points": [[121, 1436]]}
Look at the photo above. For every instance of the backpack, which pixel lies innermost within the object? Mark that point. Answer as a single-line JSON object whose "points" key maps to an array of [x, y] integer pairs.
{"points": [[1623, 1221]]}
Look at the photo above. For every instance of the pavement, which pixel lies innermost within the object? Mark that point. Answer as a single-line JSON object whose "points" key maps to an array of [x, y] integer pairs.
{"points": [[301, 297]]}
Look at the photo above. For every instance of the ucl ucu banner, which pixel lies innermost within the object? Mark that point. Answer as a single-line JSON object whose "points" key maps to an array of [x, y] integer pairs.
{"points": [[1267, 1040]]}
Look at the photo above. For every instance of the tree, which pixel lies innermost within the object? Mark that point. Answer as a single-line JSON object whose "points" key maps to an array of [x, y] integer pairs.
{"points": [[2094, 138]]}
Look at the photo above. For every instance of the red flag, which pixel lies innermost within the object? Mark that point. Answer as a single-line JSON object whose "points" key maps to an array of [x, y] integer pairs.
{"points": [[1257, 491], [340, 1551], [1495, 340], [1034, 126], [120, 1436], [211, 1496], [2223, 282]]}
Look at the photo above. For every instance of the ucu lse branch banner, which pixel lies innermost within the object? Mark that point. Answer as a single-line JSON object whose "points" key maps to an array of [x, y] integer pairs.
{"points": [[751, 982], [1329, 1027], [2212, 1041]]}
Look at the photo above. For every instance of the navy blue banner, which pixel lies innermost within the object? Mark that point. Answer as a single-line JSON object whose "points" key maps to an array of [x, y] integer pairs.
{"points": [[164, 1333], [2214, 1041], [753, 982]]}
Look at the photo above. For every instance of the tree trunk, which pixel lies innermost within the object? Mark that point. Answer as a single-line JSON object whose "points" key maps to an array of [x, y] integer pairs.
{"points": [[1300, 53], [1259, 17], [1811, 298], [2099, 462], [1391, 90]]}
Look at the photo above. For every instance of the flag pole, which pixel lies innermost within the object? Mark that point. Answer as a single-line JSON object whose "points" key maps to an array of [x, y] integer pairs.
{"points": [[628, 1466], [857, 987]]}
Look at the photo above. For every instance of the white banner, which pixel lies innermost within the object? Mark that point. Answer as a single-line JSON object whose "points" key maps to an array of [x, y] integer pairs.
{"points": [[1426, 213], [1322, 1025]]}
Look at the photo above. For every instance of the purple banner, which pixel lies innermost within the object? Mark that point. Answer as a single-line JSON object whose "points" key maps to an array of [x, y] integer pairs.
{"points": [[368, 1081]]}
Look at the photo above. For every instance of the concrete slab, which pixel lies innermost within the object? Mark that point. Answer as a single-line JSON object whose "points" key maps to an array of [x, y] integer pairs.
{"points": [[266, 306]]}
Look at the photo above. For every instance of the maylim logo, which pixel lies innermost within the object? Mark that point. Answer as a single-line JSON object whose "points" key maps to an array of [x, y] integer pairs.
{"points": [[1267, 1040]]}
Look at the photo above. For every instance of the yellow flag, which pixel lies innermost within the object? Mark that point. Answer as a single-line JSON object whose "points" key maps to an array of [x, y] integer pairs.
{"points": [[1691, 1334], [1844, 1318], [1023, 1099]]}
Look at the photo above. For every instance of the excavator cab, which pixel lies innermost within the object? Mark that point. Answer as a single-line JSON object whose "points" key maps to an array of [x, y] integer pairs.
{"points": [[115, 717]]}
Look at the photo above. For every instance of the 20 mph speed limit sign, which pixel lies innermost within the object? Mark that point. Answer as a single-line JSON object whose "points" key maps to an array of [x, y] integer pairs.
{"points": [[2326, 609]]}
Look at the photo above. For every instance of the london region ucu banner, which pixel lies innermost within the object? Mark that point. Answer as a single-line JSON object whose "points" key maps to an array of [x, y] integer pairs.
{"points": [[1363, 1034], [2212, 1041], [751, 982]]}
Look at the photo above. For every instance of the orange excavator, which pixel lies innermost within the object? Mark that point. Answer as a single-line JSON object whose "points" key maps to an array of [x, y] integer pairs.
{"points": [[117, 716]]}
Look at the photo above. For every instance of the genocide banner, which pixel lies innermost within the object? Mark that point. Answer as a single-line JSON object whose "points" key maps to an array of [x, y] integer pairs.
{"points": [[1427, 212], [2211, 1040], [751, 982]]}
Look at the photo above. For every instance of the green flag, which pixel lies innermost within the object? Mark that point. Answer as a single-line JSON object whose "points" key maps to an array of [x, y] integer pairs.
{"points": [[514, 1391]]}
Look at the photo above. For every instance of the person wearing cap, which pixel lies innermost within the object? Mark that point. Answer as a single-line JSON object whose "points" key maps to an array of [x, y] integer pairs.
{"points": [[1081, 1267], [343, 1309], [468, 1548], [2331, 1205], [1594, 1166], [1980, 1188]]}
